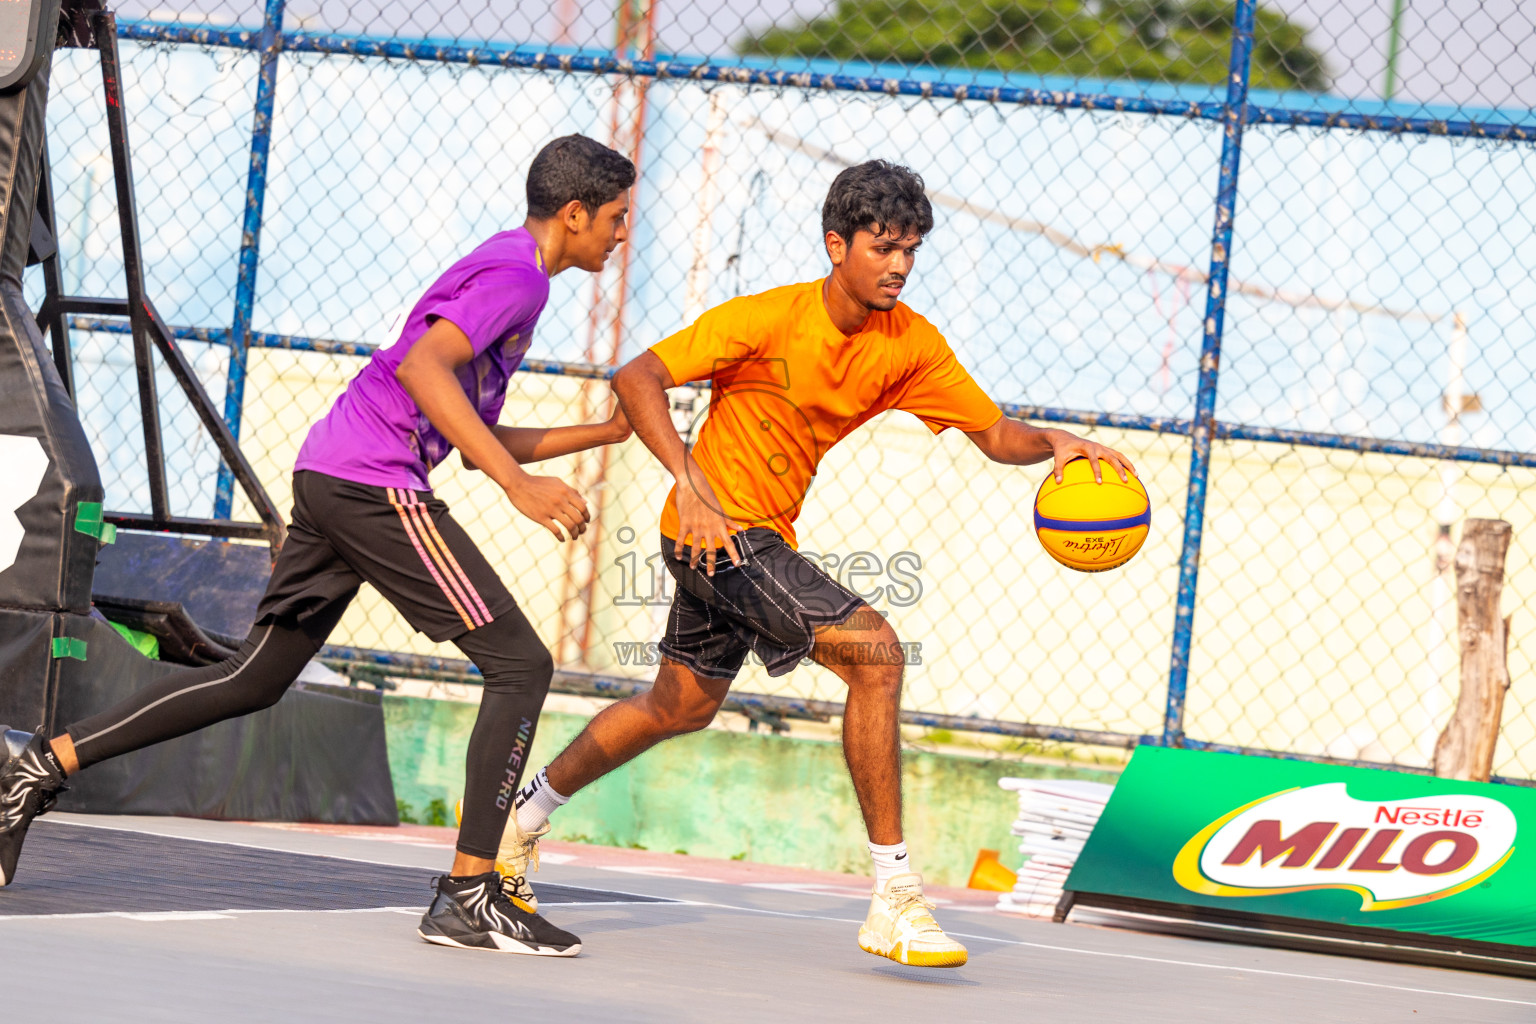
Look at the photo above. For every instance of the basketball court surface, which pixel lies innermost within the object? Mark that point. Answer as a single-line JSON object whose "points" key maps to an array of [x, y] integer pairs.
{"points": [[166, 919]]}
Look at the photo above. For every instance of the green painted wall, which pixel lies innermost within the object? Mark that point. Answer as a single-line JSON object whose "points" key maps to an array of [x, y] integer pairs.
{"points": [[758, 797]]}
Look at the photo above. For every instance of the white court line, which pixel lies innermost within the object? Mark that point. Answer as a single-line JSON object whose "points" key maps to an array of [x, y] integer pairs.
{"points": [[775, 913], [649, 871], [818, 889], [1152, 959], [203, 915], [213, 915], [196, 915]]}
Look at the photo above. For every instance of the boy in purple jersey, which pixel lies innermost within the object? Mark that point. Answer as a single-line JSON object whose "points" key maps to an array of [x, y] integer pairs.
{"points": [[363, 510]]}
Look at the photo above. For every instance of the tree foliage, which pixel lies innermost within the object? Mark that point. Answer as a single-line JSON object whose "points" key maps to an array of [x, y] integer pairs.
{"points": [[1153, 40]]}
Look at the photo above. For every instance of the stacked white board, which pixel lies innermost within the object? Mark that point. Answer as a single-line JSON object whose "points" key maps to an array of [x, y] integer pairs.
{"points": [[1055, 818]]}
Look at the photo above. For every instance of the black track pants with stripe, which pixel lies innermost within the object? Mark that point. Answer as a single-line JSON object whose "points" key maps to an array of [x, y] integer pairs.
{"points": [[189, 699], [515, 664]]}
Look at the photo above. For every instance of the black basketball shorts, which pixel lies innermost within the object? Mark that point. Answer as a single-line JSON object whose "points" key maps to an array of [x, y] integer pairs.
{"points": [[771, 605], [402, 541]]}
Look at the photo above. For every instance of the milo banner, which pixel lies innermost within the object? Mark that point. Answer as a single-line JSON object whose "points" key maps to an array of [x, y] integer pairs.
{"points": [[1335, 847]]}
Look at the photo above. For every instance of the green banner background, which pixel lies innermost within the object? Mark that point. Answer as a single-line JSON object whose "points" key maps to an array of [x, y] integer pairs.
{"points": [[1165, 797]]}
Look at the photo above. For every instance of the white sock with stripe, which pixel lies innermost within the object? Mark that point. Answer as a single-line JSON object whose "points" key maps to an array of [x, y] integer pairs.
{"points": [[890, 861], [536, 801]]}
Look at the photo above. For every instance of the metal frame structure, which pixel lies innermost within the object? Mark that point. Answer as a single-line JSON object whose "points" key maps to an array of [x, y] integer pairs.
{"points": [[1234, 113], [98, 28]]}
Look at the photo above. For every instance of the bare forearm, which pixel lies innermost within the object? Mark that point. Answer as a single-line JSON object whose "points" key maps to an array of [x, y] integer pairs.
{"points": [[429, 374], [1013, 443], [1018, 444], [641, 388], [528, 445]]}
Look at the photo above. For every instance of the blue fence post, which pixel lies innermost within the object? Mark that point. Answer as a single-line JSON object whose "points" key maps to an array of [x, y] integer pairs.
{"points": [[1203, 425], [269, 46]]}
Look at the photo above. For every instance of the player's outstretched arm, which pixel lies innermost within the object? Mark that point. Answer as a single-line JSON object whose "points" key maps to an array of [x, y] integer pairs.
{"points": [[641, 385], [428, 375], [1013, 443], [535, 444]]}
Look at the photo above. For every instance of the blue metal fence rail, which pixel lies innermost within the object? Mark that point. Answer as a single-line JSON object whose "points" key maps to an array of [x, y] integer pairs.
{"points": [[594, 684], [1234, 113], [1202, 428], [1220, 430], [525, 59], [269, 45]]}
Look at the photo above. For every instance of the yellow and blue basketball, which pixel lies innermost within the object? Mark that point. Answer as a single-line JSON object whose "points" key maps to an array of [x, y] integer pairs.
{"points": [[1091, 526]]}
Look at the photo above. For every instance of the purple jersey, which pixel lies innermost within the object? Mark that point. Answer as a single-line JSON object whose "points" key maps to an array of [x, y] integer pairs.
{"points": [[375, 434]]}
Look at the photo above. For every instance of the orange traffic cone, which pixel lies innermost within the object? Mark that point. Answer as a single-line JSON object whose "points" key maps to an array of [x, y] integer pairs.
{"points": [[989, 874]]}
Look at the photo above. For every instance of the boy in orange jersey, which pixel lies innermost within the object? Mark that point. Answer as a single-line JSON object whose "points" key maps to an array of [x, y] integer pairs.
{"points": [[794, 371]]}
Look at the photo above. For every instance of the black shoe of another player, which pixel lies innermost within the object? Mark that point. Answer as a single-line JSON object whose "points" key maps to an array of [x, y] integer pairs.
{"points": [[474, 913], [30, 781]]}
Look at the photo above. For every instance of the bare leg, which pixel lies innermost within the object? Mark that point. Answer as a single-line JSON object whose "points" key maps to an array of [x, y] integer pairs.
{"points": [[679, 702], [464, 865], [871, 734]]}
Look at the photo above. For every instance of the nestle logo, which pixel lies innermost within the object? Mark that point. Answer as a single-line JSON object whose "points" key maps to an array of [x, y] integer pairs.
{"points": [[1448, 817]]}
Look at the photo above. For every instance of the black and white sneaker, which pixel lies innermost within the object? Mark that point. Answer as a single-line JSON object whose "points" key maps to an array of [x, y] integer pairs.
{"points": [[30, 782], [474, 913]]}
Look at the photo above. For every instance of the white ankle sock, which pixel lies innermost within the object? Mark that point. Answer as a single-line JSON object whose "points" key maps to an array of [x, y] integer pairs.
{"points": [[890, 861], [536, 801]]}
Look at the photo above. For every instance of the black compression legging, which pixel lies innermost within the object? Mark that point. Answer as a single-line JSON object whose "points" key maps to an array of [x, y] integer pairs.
{"points": [[514, 662]]}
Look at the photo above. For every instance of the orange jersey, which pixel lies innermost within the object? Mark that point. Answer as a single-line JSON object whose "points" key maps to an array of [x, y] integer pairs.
{"points": [[788, 385]]}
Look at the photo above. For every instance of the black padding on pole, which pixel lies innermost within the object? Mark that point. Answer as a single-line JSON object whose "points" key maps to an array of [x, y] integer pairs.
{"points": [[25, 666], [45, 564], [51, 569], [217, 582]]}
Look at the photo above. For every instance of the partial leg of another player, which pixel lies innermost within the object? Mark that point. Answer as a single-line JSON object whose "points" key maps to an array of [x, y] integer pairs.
{"points": [[680, 701], [864, 652]]}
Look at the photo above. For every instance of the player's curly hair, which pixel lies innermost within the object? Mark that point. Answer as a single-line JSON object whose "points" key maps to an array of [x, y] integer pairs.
{"points": [[576, 167], [877, 196]]}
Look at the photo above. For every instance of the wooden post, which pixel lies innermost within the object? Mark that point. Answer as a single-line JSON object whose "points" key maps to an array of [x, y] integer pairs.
{"points": [[1465, 749]]}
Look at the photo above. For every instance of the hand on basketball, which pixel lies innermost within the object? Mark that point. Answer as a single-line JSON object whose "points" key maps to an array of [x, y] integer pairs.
{"points": [[552, 503], [1065, 447], [699, 517]]}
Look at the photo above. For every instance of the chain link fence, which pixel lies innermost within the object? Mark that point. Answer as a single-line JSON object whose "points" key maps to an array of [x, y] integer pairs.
{"points": [[1283, 256]]}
